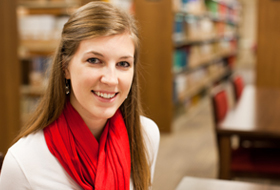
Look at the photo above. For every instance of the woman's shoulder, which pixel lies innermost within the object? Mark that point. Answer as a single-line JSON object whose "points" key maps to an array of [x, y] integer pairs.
{"points": [[30, 150], [151, 136], [152, 139], [29, 159], [150, 128], [32, 142], [20, 161]]}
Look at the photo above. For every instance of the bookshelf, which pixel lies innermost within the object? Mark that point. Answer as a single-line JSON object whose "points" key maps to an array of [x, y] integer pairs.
{"points": [[199, 51], [40, 24], [205, 37]]}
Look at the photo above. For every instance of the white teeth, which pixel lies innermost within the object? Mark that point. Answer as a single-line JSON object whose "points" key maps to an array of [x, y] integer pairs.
{"points": [[104, 95]]}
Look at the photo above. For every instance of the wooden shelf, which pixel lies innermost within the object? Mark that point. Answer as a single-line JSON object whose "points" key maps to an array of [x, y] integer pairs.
{"points": [[209, 15], [188, 41], [36, 91], [225, 20], [47, 7], [197, 15], [47, 4], [203, 84], [194, 89], [38, 47], [211, 59], [204, 40]]}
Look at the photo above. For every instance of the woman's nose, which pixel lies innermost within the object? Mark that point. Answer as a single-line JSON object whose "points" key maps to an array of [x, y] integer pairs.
{"points": [[109, 76]]}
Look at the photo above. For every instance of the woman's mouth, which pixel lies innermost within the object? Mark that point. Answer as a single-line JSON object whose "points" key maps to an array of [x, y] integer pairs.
{"points": [[105, 95]]}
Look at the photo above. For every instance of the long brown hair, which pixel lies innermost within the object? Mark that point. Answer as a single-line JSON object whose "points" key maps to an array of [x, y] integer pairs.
{"points": [[93, 20]]}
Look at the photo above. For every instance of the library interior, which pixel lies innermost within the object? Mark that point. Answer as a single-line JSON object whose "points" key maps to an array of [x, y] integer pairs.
{"points": [[209, 79]]}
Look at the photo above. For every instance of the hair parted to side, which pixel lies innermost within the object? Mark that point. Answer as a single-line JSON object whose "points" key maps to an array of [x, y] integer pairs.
{"points": [[93, 20]]}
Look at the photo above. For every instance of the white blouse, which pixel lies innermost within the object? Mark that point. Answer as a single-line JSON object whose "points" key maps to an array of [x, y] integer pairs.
{"points": [[29, 164]]}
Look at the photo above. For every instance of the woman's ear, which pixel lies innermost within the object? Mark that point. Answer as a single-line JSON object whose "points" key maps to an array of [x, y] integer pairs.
{"points": [[65, 65], [66, 73], [65, 68]]}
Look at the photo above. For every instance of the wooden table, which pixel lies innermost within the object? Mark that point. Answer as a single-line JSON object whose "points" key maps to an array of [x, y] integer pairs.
{"points": [[256, 115], [191, 183]]}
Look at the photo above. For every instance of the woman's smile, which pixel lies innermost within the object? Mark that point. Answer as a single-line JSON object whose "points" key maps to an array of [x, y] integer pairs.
{"points": [[105, 95]]}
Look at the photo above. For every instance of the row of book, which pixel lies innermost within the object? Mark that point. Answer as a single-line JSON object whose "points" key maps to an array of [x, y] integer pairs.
{"points": [[222, 9], [187, 85], [28, 105], [188, 57], [35, 71], [225, 10], [189, 27], [190, 6], [41, 27], [189, 103], [127, 5]]}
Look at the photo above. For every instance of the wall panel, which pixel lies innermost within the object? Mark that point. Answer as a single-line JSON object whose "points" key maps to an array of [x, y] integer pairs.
{"points": [[268, 38], [156, 25], [9, 75]]}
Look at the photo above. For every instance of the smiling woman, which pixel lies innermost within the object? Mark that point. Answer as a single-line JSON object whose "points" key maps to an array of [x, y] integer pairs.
{"points": [[88, 132]]}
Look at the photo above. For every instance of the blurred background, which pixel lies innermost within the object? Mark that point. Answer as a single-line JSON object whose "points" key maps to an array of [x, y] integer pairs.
{"points": [[188, 48]]}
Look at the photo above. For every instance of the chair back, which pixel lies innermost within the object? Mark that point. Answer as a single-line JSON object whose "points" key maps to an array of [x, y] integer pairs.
{"points": [[238, 85], [220, 105]]}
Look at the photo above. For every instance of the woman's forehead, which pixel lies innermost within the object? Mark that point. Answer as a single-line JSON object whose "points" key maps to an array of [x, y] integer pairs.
{"points": [[121, 44]]}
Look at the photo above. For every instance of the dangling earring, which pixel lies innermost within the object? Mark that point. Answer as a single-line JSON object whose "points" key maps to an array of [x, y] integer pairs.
{"points": [[67, 87]]}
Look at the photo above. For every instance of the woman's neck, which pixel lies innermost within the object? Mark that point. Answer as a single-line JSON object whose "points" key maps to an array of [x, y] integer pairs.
{"points": [[96, 126]]}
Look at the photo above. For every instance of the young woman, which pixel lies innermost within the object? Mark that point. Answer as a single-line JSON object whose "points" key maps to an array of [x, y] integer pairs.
{"points": [[87, 132]]}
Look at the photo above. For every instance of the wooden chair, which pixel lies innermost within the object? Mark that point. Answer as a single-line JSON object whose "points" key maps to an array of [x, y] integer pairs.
{"points": [[238, 85], [252, 161], [220, 105]]}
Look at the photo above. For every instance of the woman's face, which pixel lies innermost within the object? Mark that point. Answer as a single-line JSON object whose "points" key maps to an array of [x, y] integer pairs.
{"points": [[101, 73]]}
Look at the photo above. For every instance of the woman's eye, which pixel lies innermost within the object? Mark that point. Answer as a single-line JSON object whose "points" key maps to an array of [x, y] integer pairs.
{"points": [[93, 60], [124, 64]]}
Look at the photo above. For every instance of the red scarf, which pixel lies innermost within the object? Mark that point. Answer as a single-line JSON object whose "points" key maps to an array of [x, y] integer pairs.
{"points": [[93, 165]]}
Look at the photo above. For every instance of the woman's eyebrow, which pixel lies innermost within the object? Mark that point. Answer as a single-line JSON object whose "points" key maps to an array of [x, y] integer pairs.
{"points": [[127, 57], [101, 55], [95, 53]]}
